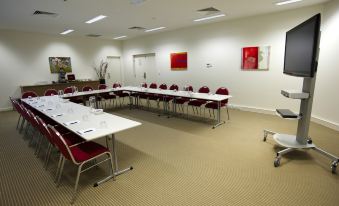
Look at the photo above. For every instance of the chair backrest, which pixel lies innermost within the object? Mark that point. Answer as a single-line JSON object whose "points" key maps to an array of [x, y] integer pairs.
{"points": [[102, 86], [174, 87], [116, 85], [68, 90], [32, 119], [204, 89], [153, 86], [163, 86], [44, 130], [51, 92], [188, 88], [70, 77], [223, 91], [87, 88], [144, 85], [61, 143], [28, 94]]}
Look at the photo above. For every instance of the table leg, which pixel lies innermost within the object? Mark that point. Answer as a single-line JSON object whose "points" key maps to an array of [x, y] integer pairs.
{"points": [[219, 122], [115, 162]]}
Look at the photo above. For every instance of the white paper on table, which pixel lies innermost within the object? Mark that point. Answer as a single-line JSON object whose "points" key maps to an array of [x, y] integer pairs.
{"points": [[85, 131], [71, 122], [48, 109], [57, 115]]}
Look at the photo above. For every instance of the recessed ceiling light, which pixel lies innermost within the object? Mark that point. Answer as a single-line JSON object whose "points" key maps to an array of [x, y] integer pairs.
{"points": [[210, 17], [155, 29], [67, 31], [98, 18], [119, 37], [287, 2]]}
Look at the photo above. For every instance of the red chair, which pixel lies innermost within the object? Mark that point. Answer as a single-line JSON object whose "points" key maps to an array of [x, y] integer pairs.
{"points": [[198, 102], [51, 92], [149, 96], [166, 99], [70, 138], [16, 106], [79, 155], [77, 100], [28, 94], [182, 100], [223, 104], [107, 95], [120, 94], [136, 95], [87, 88]]}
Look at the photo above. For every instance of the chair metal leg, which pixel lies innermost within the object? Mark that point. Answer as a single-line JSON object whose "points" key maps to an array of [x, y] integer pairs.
{"points": [[17, 125], [76, 183], [48, 154], [228, 115]]}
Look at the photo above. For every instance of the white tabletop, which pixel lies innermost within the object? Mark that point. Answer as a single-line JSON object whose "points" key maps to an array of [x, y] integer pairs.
{"points": [[102, 124], [192, 95]]}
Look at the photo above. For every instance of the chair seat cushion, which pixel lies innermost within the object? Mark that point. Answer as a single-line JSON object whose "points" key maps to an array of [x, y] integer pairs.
{"points": [[143, 96], [165, 98], [87, 150], [76, 100], [197, 102], [108, 96], [153, 97], [182, 100], [121, 94], [214, 105]]}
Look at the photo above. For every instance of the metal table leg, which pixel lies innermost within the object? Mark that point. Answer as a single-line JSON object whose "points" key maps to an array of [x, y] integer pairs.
{"points": [[219, 122], [116, 167]]}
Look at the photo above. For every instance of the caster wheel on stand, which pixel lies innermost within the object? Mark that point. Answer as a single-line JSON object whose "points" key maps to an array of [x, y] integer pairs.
{"points": [[334, 167], [277, 162]]}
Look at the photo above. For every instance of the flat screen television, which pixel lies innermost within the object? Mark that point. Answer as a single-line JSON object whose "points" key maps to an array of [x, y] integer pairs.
{"points": [[301, 48]]}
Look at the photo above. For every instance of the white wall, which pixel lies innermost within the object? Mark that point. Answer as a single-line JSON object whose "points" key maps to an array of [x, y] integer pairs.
{"points": [[220, 45], [24, 59], [326, 103]]}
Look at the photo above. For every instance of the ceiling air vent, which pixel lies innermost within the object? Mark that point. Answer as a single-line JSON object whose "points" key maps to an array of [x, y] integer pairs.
{"points": [[137, 28], [209, 10], [93, 35], [45, 13]]}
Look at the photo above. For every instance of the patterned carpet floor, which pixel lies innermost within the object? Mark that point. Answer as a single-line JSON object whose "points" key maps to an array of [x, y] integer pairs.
{"points": [[179, 162]]}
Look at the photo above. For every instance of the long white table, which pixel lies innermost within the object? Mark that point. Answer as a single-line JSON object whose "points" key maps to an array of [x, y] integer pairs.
{"points": [[175, 94], [83, 122]]}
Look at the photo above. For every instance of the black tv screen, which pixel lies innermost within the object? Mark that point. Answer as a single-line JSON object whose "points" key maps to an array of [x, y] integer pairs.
{"points": [[301, 47]]}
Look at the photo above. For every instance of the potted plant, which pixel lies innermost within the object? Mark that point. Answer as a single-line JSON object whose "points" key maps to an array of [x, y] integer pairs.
{"points": [[101, 71]]}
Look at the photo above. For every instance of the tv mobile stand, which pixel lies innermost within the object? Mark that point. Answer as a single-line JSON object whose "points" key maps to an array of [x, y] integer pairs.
{"points": [[301, 139]]}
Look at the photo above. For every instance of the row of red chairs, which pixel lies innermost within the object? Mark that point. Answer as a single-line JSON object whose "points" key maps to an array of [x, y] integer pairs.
{"points": [[194, 103], [73, 148]]}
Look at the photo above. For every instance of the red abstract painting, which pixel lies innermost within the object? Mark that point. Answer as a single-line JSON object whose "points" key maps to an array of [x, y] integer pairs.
{"points": [[250, 57], [179, 61]]}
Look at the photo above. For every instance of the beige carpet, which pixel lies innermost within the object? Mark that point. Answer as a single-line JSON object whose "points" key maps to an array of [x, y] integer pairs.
{"points": [[180, 162]]}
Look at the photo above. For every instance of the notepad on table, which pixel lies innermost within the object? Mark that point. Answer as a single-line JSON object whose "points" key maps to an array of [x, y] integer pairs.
{"points": [[85, 131], [71, 122]]}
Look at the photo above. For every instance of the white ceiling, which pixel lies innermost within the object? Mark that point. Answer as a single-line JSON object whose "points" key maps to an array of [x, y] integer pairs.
{"points": [[122, 14]]}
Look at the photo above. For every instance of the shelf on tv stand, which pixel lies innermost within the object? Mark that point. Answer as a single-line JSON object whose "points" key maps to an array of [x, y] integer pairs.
{"points": [[288, 114], [295, 94]]}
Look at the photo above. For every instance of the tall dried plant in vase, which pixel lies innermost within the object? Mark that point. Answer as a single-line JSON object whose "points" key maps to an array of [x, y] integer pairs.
{"points": [[101, 71]]}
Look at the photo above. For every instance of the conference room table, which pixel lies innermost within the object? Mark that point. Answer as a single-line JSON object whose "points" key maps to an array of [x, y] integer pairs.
{"points": [[169, 93], [86, 122]]}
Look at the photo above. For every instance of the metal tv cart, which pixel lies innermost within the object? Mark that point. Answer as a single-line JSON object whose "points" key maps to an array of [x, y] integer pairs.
{"points": [[301, 140]]}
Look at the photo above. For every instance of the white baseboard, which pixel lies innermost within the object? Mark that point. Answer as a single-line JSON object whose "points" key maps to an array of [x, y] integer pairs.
{"points": [[6, 109], [315, 119]]}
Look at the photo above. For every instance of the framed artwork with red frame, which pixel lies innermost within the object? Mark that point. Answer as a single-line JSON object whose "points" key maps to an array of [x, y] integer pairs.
{"points": [[179, 61], [255, 58]]}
